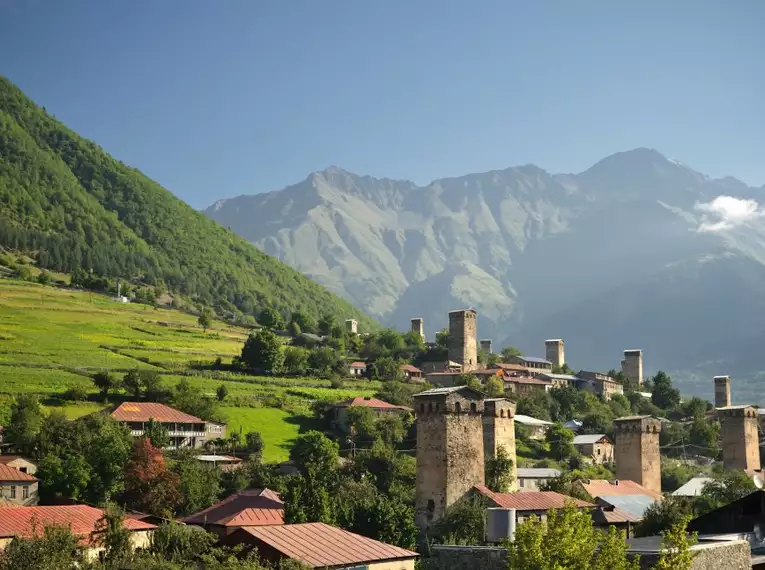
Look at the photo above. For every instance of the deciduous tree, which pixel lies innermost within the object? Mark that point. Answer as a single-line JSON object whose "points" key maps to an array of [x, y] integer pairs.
{"points": [[263, 350]]}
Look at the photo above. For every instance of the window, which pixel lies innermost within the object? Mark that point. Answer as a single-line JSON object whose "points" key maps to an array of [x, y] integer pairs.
{"points": [[23, 469], [25, 492], [521, 482], [473, 407], [13, 491], [457, 407], [422, 408]]}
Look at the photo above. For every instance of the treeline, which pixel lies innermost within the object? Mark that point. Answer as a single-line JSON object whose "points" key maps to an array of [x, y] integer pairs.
{"points": [[77, 207]]}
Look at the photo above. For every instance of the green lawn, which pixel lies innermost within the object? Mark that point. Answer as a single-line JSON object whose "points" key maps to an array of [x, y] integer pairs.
{"points": [[275, 426]]}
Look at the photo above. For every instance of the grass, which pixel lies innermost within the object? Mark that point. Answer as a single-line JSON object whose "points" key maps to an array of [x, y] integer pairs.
{"points": [[277, 428], [53, 339]]}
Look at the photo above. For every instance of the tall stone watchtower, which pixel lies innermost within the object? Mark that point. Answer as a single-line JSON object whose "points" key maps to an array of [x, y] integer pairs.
{"points": [[740, 440], [632, 365], [499, 431], [637, 451], [418, 326], [486, 345], [554, 351], [463, 347], [722, 391], [352, 326], [450, 456]]}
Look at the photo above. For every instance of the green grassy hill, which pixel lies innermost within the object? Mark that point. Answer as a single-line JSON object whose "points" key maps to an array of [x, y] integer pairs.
{"points": [[65, 199], [52, 339]]}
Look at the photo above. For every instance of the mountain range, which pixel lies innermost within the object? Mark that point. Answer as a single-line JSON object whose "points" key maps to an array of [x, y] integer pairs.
{"points": [[638, 251]]}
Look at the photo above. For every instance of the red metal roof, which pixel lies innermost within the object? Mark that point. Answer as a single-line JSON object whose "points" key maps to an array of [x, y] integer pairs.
{"points": [[357, 365], [369, 403], [145, 411], [603, 488], [251, 507], [320, 545], [81, 519], [12, 474], [531, 500], [410, 368], [613, 515]]}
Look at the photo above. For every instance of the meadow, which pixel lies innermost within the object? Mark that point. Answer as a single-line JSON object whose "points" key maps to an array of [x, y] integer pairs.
{"points": [[54, 339]]}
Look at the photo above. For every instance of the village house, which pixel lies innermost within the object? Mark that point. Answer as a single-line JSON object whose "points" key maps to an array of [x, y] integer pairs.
{"points": [[486, 374], [600, 384], [319, 545], [536, 429], [531, 478], [81, 519], [559, 380], [624, 495], [339, 419], [411, 372], [250, 507], [530, 503], [532, 363], [18, 462], [524, 385], [445, 379], [431, 366], [184, 429], [357, 368], [17, 487], [595, 447], [510, 369]]}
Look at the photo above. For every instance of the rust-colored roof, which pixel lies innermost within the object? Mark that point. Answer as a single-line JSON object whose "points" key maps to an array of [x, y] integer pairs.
{"points": [[508, 366], [251, 507], [320, 545], [531, 500], [526, 380], [12, 474], [81, 519], [487, 372], [613, 515], [410, 368], [369, 403], [357, 365], [603, 488], [145, 411]]}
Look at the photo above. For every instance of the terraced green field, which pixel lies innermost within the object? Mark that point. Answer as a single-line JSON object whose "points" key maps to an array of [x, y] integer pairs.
{"points": [[54, 339]]}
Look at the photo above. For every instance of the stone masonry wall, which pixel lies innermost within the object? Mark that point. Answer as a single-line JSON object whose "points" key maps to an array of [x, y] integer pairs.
{"points": [[637, 453], [739, 436], [467, 558], [463, 345]]}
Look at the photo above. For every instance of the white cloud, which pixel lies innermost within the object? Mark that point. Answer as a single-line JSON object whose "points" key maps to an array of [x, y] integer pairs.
{"points": [[726, 212]]}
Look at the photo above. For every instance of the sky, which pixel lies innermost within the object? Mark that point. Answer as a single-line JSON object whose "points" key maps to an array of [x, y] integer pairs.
{"points": [[215, 99]]}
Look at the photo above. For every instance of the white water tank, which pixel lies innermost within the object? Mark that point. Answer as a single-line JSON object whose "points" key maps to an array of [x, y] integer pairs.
{"points": [[500, 524]]}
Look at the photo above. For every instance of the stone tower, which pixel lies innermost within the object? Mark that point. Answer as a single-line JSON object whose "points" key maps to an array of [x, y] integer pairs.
{"points": [[632, 365], [637, 451], [352, 326], [499, 431], [722, 391], [554, 351], [463, 348], [486, 345], [450, 457], [739, 437], [418, 326]]}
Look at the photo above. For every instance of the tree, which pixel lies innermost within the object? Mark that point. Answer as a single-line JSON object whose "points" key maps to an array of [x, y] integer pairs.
{"points": [[263, 350], [361, 422], [222, 392], [303, 321], [567, 483], [705, 436], [295, 360], [25, 424], [695, 408], [442, 339], [495, 387], [205, 319], [179, 543], [392, 428], [105, 383], [44, 278], [293, 329], [111, 535], [65, 476], [664, 395], [193, 401], [271, 319], [49, 548], [325, 361], [676, 544], [464, 522], [386, 368], [561, 441], [200, 484], [509, 353], [568, 541], [326, 324], [149, 485], [157, 434], [723, 490], [663, 515], [254, 444], [499, 471], [314, 450], [131, 382], [537, 405]]}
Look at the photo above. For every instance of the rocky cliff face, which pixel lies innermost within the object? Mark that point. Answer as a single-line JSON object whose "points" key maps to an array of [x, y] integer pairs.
{"points": [[639, 251]]}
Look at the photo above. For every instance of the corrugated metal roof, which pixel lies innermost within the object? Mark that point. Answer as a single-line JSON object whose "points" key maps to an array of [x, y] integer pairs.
{"points": [[611, 515], [537, 473], [12, 474], [529, 421], [246, 508], [526, 380], [447, 390], [693, 487], [535, 359], [82, 519], [357, 365], [601, 487], [589, 438], [321, 545], [531, 500], [410, 368], [145, 411], [508, 366], [569, 377], [635, 505]]}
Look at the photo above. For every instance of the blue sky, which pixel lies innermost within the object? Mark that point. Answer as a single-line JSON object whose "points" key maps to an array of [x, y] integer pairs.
{"points": [[216, 99]]}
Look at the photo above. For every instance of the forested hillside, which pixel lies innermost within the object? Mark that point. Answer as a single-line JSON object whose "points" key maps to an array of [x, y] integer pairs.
{"points": [[75, 206]]}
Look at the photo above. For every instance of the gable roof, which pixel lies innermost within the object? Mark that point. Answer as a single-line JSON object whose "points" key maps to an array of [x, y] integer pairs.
{"points": [[12, 474], [603, 488], [611, 515], [635, 505], [357, 365], [145, 411], [550, 375], [509, 366], [364, 402], [535, 360], [529, 421], [448, 390], [526, 380], [410, 368], [590, 438], [536, 473], [82, 519], [693, 487], [531, 500], [320, 545], [6, 459], [250, 507]]}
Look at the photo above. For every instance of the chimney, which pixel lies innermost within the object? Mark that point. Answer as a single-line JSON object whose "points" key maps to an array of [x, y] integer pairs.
{"points": [[637, 451], [722, 391], [739, 437], [486, 345]]}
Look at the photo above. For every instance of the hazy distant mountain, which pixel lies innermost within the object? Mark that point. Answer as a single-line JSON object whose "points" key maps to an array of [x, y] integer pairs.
{"points": [[639, 251]]}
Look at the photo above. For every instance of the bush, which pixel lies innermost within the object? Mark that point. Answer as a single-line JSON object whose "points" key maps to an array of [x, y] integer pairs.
{"points": [[75, 394], [336, 383]]}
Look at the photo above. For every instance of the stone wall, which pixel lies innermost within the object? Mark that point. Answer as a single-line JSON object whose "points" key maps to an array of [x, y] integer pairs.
{"points": [[632, 365], [636, 451], [499, 431], [463, 344], [445, 557], [555, 352], [722, 391], [418, 326], [739, 437], [734, 555]]}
